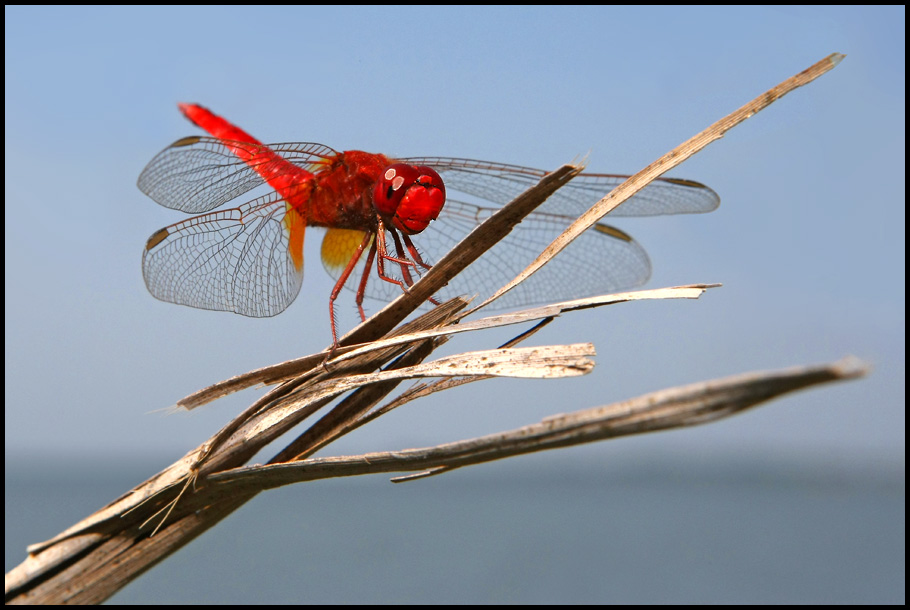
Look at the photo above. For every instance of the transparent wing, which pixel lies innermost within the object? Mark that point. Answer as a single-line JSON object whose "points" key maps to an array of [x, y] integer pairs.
{"points": [[500, 183], [238, 259], [198, 174], [601, 260]]}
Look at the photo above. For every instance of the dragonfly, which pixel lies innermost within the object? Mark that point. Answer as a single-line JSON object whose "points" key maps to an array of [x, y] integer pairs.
{"points": [[248, 259]]}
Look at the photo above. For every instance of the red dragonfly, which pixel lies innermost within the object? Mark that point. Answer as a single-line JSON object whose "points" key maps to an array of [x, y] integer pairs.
{"points": [[249, 259]]}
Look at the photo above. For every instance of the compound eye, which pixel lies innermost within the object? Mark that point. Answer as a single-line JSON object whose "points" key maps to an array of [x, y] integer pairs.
{"points": [[391, 187]]}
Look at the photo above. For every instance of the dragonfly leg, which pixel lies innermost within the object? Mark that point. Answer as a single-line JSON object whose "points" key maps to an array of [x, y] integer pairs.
{"points": [[415, 256], [384, 256], [343, 278], [403, 261], [361, 289]]}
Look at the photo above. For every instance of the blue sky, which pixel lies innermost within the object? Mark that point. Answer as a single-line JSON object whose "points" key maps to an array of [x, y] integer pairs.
{"points": [[809, 240]]}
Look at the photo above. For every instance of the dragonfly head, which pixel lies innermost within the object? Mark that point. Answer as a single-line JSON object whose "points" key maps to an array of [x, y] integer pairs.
{"points": [[410, 195]]}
